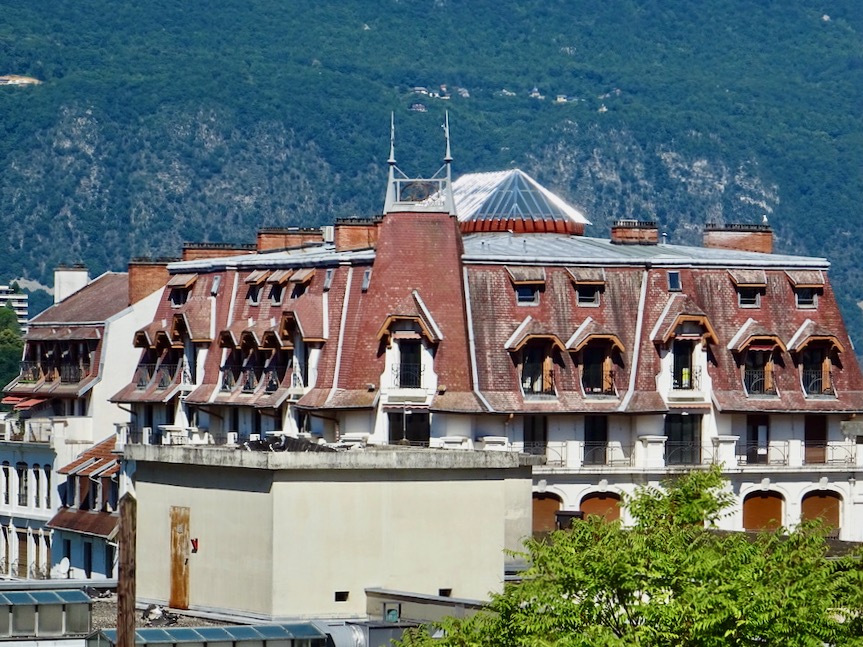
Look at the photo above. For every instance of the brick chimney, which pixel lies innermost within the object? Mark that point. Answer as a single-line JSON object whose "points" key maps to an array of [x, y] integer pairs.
{"points": [[282, 238], [356, 233], [146, 275], [634, 232], [194, 251], [743, 238]]}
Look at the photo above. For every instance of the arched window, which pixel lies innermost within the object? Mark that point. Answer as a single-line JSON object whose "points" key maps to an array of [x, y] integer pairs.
{"points": [[7, 483], [545, 506], [763, 511], [824, 505], [23, 477], [47, 472], [602, 504]]}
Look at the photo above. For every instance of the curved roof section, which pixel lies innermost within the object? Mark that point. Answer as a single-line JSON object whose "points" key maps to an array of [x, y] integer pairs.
{"points": [[512, 200]]}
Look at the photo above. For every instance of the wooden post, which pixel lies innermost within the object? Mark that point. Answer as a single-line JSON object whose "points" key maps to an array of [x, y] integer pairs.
{"points": [[126, 572]]}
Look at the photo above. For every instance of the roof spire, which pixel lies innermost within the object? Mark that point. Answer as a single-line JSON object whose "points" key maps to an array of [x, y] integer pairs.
{"points": [[391, 196], [392, 160]]}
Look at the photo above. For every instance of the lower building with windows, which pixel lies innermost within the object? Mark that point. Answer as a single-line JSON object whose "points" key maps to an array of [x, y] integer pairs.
{"points": [[76, 354]]}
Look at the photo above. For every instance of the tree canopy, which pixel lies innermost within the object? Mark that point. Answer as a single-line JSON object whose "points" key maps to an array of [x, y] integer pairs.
{"points": [[11, 344], [671, 580]]}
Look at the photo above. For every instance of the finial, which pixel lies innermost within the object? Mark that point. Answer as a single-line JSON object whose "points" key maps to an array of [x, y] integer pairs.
{"points": [[448, 158], [392, 159]]}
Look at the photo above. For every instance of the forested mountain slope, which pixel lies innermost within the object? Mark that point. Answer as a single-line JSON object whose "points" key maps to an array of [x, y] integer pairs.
{"points": [[164, 121]]}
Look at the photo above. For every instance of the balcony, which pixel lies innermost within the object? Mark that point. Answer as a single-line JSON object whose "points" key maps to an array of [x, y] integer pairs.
{"points": [[829, 454], [537, 383], [687, 379], [817, 381], [165, 375], [754, 454], [759, 381], [54, 430], [685, 453], [273, 378], [230, 376], [407, 375], [249, 380], [143, 375], [30, 372], [596, 381], [72, 373]]}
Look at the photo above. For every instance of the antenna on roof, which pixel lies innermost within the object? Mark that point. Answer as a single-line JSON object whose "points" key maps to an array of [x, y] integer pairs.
{"points": [[392, 160]]}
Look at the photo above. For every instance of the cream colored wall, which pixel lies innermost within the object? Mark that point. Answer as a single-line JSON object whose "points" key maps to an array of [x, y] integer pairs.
{"points": [[233, 566], [384, 529], [283, 549]]}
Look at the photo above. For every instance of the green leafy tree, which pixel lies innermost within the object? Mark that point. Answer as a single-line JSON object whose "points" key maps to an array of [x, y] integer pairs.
{"points": [[11, 344], [671, 580]]}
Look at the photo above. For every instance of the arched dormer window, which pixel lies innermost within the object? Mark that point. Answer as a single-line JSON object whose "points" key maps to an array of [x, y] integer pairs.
{"points": [[598, 352], [757, 351], [816, 353], [681, 333], [409, 335]]}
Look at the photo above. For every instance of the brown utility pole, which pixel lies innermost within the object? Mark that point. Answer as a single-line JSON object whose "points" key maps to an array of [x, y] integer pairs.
{"points": [[126, 572]]}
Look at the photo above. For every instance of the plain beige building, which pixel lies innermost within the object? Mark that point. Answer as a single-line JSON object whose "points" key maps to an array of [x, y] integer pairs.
{"points": [[290, 534]]}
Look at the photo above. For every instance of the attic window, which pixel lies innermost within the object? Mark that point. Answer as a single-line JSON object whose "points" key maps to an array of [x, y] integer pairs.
{"points": [[674, 281], [367, 279], [328, 279], [806, 298], [178, 296], [588, 294], [748, 297], [527, 294], [277, 293], [253, 296]]}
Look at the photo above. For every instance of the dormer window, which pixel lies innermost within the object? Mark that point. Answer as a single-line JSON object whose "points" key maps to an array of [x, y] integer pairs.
{"points": [[807, 285], [527, 294], [674, 281], [749, 297], [180, 286], [528, 282], [806, 298], [589, 284], [758, 371], [277, 291], [300, 281], [253, 296], [537, 368], [178, 296]]}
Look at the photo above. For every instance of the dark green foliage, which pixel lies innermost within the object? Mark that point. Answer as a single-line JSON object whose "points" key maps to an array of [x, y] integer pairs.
{"points": [[160, 122], [669, 581], [11, 345]]}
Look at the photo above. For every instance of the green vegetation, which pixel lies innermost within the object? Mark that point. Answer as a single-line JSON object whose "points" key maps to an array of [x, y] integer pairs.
{"points": [[670, 581], [11, 345], [160, 122]]}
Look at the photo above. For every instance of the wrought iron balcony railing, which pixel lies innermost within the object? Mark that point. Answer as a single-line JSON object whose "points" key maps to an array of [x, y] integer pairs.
{"points": [[537, 382], [30, 372], [759, 381], [229, 377], [598, 382], [272, 378], [249, 380], [683, 453], [165, 375], [72, 373], [817, 382], [143, 375], [774, 453], [408, 375]]}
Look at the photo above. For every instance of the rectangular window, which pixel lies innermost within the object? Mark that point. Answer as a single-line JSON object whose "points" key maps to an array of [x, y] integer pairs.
{"points": [[367, 280], [535, 434], [588, 295], [674, 281], [683, 446], [328, 279], [178, 296], [526, 294], [749, 297], [806, 298], [757, 439], [277, 291], [253, 296]]}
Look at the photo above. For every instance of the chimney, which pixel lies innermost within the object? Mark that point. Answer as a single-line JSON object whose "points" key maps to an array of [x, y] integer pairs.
{"points": [[146, 275], [356, 233], [634, 232], [195, 251], [740, 237], [282, 238], [68, 279]]}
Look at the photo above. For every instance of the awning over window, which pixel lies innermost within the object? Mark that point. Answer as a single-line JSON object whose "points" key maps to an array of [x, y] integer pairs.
{"points": [[587, 275], [809, 332], [806, 278], [748, 278], [526, 275], [590, 331], [257, 277], [182, 280], [302, 276], [280, 276]]}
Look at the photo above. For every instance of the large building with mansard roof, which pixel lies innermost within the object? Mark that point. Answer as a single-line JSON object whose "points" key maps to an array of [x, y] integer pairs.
{"points": [[476, 315]]}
